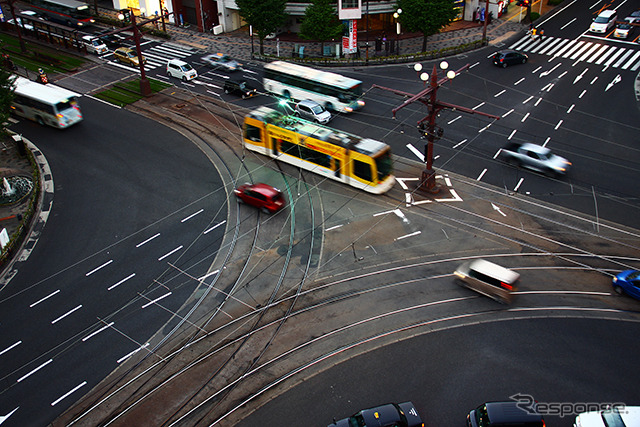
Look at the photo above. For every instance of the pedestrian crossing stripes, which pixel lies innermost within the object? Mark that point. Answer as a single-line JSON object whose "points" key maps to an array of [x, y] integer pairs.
{"points": [[157, 56], [582, 51]]}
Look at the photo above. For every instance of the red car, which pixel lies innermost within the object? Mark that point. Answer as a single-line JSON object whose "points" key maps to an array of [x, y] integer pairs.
{"points": [[260, 195]]}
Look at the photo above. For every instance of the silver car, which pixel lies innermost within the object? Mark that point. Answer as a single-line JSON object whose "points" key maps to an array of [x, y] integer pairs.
{"points": [[220, 60], [313, 111]]}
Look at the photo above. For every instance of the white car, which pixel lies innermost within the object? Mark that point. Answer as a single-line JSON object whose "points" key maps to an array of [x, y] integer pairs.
{"points": [[604, 21], [94, 45], [623, 416], [179, 69], [622, 31], [311, 110]]}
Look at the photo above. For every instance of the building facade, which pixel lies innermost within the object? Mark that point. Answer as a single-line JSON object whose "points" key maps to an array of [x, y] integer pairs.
{"points": [[220, 16]]}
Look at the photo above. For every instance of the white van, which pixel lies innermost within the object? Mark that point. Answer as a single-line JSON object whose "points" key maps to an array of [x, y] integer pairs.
{"points": [[604, 21], [181, 70], [94, 45], [488, 279]]}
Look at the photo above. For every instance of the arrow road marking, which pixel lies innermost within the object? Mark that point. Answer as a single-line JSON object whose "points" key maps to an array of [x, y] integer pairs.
{"points": [[580, 76], [546, 73], [3, 418], [617, 79], [495, 208]]}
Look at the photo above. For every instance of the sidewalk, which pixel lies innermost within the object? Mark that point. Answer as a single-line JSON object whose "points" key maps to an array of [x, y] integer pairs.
{"points": [[237, 44]]}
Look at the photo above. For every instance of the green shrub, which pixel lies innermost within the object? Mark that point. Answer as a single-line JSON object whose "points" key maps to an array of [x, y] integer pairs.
{"points": [[534, 16]]}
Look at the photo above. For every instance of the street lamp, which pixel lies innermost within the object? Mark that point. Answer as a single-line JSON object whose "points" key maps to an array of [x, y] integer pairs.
{"points": [[396, 15], [423, 76]]}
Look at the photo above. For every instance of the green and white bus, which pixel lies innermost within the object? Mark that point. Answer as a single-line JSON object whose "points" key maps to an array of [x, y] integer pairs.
{"points": [[46, 104], [333, 91]]}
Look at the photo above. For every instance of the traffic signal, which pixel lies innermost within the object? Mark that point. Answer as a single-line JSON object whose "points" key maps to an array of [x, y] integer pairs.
{"points": [[524, 3]]}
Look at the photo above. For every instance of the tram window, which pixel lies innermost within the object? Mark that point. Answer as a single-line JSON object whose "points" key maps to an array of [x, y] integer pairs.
{"points": [[252, 133], [289, 148], [362, 170]]}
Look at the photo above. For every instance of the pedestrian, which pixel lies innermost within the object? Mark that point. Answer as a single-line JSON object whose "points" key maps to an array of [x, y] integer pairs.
{"points": [[541, 33], [476, 15], [533, 34]]}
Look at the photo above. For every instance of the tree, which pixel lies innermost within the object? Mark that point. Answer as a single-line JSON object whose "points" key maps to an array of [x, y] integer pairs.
{"points": [[265, 16], [426, 16], [321, 22], [6, 95]]}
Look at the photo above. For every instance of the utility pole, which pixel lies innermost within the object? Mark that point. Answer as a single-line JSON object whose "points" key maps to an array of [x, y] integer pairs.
{"points": [[145, 85], [427, 125]]}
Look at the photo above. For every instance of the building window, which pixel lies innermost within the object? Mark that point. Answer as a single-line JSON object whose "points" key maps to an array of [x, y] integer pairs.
{"points": [[349, 4]]}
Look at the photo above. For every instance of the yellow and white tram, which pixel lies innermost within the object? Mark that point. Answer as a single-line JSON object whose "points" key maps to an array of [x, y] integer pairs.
{"points": [[360, 162]]}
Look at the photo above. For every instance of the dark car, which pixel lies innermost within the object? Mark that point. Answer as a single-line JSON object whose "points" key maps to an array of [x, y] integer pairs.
{"points": [[260, 195], [391, 414], [242, 88], [628, 282], [498, 414], [504, 58], [113, 41]]}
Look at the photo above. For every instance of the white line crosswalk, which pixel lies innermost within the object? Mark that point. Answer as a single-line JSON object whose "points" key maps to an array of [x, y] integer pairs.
{"points": [[623, 58], [157, 56]]}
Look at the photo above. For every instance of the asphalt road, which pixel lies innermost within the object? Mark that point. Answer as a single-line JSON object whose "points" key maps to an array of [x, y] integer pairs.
{"points": [[120, 254], [446, 373], [454, 368]]}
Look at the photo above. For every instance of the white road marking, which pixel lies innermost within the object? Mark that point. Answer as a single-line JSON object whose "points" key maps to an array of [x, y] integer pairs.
{"points": [[107, 326], [98, 268], [76, 388], [10, 347], [156, 300], [215, 226], [66, 314], [148, 240], [170, 253], [192, 215], [43, 299], [121, 281], [34, 371], [481, 174]]}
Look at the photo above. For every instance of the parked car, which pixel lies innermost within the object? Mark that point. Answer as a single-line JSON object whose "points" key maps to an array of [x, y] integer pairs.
{"points": [[623, 30], [535, 157], [269, 199], [94, 45], [604, 21], [627, 282], [127, 56], [633, 17], [391, 414], [311, 110], [242, 88], [500, 414], [220, 60], [628, 416], [505, 58], [181, 70]]}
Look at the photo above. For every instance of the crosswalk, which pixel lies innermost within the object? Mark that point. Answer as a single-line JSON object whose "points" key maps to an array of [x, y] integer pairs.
{"points": [[158, 55], [584, 51]]}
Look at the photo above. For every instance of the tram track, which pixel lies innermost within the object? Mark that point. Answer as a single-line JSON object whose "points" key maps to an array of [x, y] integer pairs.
{"points": [[221, 398], [121, 410]]}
